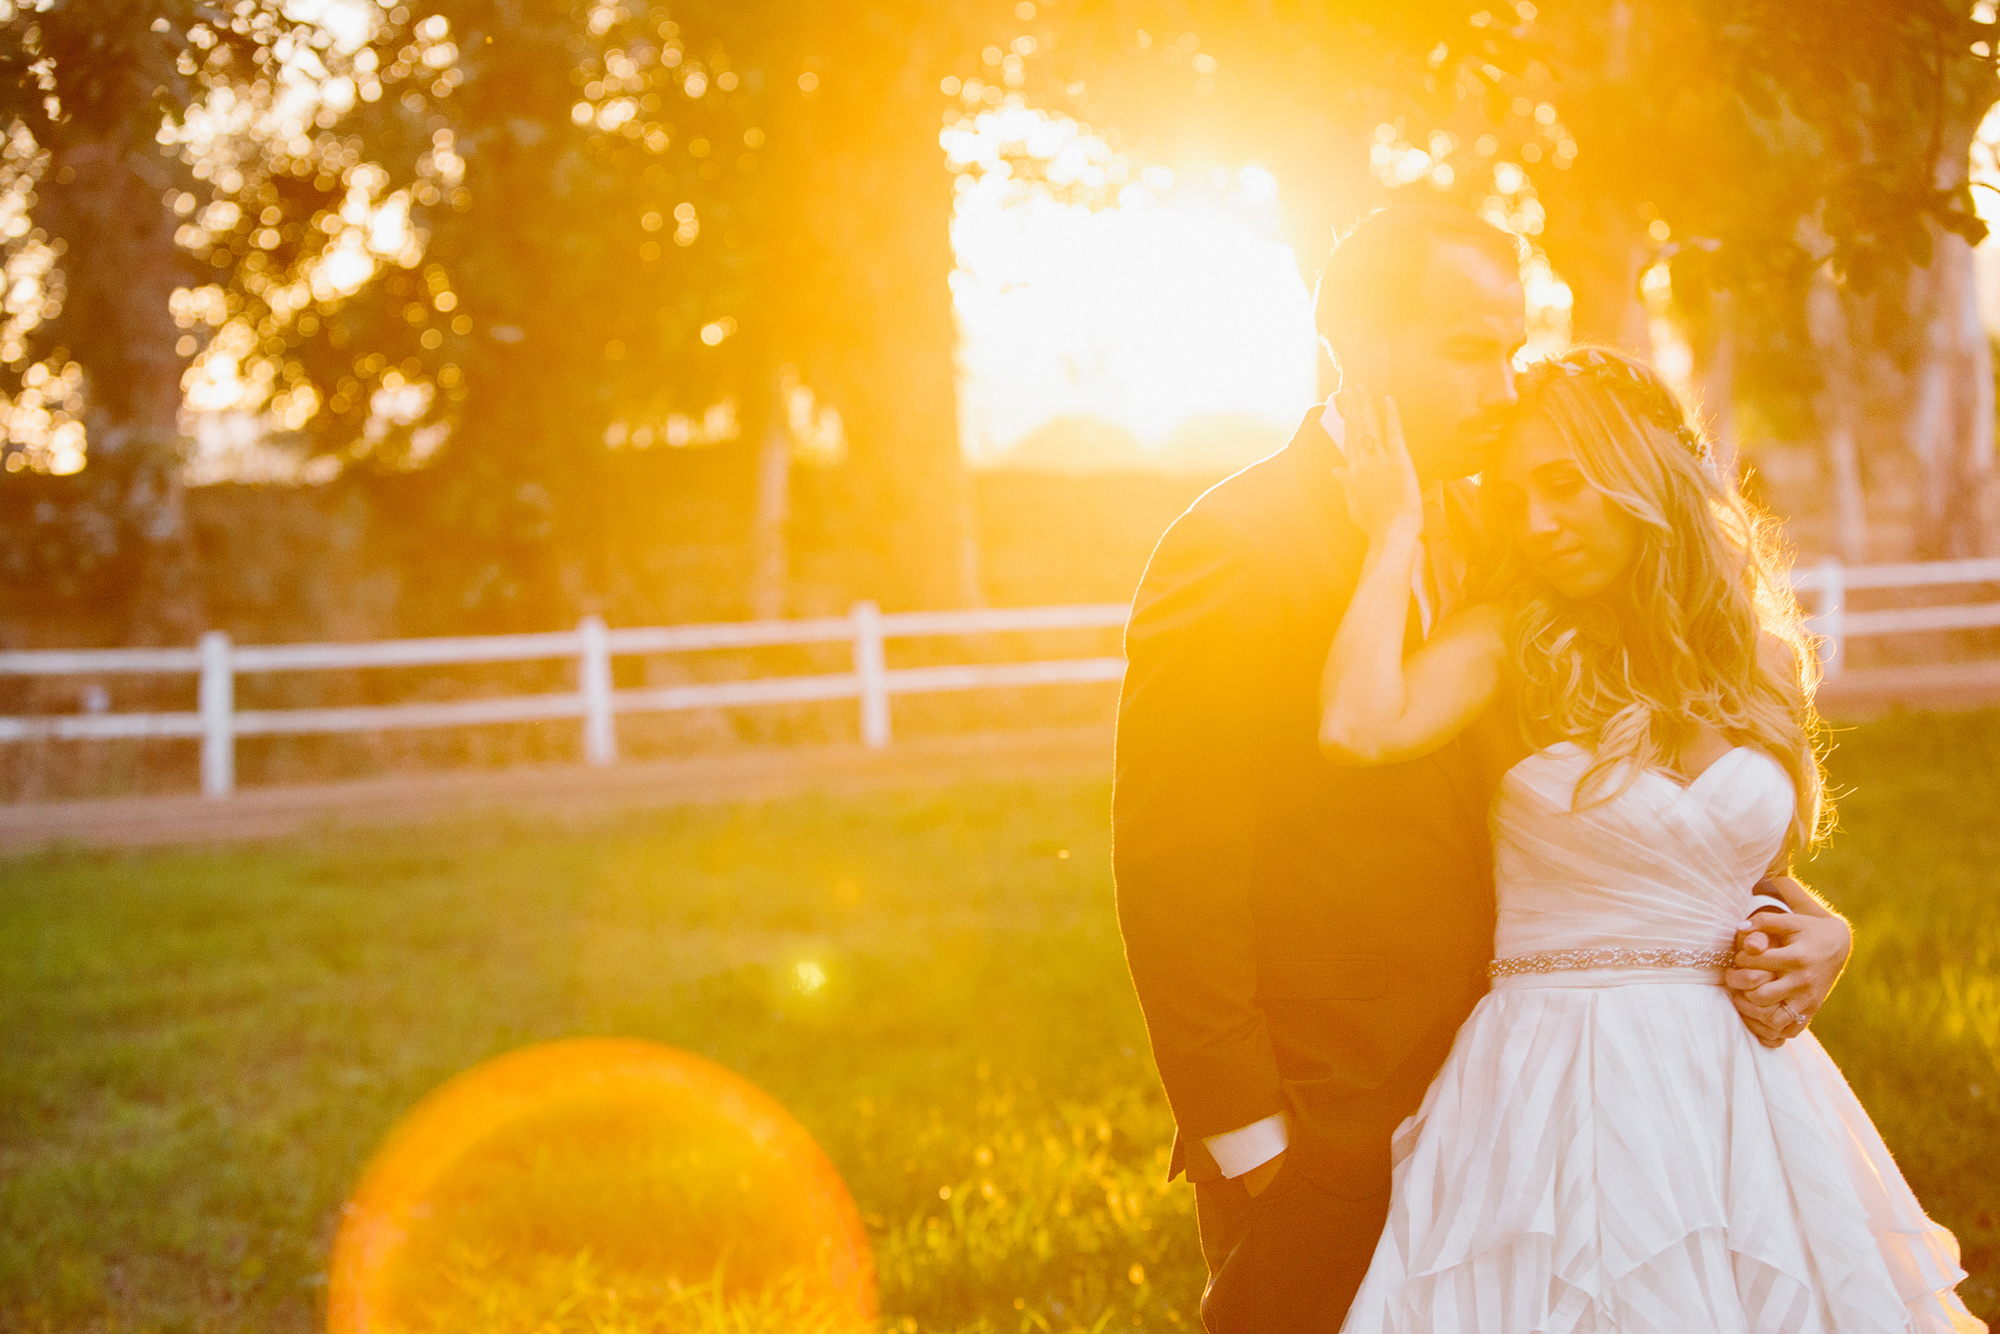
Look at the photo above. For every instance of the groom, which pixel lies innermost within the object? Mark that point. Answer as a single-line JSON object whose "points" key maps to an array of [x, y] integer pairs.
{"points": [[1306, 940]]}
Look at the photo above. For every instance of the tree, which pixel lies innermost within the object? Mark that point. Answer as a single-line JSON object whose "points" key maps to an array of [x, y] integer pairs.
{"points": [[85, 90], [852, 229], [615, 222], [1873, 111], [638, 213], [138, 241], [567, 287]]}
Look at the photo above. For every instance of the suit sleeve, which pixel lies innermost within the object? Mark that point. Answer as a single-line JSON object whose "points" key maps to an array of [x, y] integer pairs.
{"points": [[1186, 821]]}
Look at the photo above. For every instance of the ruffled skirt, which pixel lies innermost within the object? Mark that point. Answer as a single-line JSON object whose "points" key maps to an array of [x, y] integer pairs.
{"points": [[1599, 1158]]}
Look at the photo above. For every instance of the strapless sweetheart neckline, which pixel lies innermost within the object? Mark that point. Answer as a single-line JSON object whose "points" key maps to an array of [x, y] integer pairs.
{"points": [[1721, 761], [1660, 864]]}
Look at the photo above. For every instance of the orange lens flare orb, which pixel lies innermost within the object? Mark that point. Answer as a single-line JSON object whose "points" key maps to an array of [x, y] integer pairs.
{"points": [[601, 1171]]}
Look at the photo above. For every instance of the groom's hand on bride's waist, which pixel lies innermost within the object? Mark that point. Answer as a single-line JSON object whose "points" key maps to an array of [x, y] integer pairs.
{"points": [[1787, 962]]}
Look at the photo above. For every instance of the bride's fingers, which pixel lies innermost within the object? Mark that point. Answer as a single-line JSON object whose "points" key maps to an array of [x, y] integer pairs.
{"points": [[1371, 425], [1781, 926], [1780, 959], [1792, 989], [1763, 1027], [1751, 943], [1360, 449], [1770, 1027], [1347, 402], [1751, 947], [1746, 979], [1784, 945]]}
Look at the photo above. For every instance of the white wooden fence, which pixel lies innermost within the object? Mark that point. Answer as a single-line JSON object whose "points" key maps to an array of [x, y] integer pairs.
{"points": [[217, 722], [1830, 582]]}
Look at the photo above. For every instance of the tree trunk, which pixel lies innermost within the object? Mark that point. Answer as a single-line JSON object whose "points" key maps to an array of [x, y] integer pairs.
{"points": [[1951, 431], [104, 199], [1951, 416], [879, 336], [1837, 410], [1595, 235], [770, 551]]}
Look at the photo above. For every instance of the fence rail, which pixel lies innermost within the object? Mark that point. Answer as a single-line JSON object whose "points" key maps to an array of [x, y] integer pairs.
{"points": [[1830, 582], [217, 661]]}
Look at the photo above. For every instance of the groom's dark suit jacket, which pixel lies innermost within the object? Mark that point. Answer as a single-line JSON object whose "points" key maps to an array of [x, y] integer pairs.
{"points": [[1302, 936]]}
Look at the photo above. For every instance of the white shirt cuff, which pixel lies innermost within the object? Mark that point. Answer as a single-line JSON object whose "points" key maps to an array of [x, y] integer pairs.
{"points": [[1246, 1150], [1759, 902]]}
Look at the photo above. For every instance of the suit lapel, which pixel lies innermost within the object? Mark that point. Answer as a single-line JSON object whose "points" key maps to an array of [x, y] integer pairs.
{"points": [[1313, 456]]}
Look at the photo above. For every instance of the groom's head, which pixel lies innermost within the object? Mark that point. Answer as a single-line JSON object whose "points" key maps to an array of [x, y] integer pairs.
{"points": [[1424, 301]]}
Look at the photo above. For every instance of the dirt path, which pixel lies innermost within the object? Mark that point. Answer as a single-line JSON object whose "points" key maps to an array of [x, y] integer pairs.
{"points": [[562, 792], [575, 792]]}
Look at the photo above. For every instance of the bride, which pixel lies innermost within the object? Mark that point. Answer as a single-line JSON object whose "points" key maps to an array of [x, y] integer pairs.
{"points": [[1607, 1148]]}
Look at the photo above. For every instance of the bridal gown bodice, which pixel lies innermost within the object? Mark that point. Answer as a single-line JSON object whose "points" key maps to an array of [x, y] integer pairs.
{"points": [[1659, 866], [1607, 1149]]}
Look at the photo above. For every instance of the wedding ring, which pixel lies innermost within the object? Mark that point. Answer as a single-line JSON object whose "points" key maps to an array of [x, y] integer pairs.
{"points": [[1791, 1015]]}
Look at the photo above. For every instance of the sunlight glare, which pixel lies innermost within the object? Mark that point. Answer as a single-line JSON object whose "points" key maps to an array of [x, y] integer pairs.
{"points": [[1176, 301], [1986, 200]]}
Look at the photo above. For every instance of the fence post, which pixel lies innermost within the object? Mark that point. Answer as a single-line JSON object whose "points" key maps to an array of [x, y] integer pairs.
{"points": [[217, 696], [1832, 617], [872, 666], [600, 736]]}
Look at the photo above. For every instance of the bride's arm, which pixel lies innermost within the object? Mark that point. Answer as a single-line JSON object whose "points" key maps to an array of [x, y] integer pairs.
{"points": [[1435, 694], [1788, 958], [1376, 707]]}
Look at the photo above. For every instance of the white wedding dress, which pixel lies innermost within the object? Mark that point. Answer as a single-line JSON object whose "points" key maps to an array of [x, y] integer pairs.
{"points": [[1608, 1148]]}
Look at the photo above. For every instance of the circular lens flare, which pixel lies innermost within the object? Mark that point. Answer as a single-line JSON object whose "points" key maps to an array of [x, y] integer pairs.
{"points": [[598, 1169]]}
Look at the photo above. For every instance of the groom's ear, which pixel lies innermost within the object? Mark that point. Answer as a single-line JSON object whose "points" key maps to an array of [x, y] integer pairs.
{"points": [[1364, 354]]}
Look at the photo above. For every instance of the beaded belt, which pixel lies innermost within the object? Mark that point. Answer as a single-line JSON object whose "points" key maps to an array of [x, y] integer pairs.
{"points": [[1561, 961]]}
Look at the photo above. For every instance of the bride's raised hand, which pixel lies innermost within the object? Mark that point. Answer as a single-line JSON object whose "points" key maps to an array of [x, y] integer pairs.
{"points": [[1383, 496]]}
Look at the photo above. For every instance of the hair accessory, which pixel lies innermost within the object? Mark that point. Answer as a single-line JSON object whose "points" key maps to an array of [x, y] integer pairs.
{"points": [[1646, 392]]}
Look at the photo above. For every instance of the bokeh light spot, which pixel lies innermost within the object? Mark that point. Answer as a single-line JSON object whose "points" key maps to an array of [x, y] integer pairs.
{"points": [[573, 1169]]}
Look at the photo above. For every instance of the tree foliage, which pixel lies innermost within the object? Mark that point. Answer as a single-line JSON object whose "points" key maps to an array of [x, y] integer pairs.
{"points": [[482, 245], [632, 215]]}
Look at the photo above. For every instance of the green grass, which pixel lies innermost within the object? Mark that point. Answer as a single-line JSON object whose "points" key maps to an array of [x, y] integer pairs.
{"points": [[203, 1048]]}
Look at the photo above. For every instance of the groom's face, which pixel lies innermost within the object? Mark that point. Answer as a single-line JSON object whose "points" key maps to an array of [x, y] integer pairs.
{"points": [[1450, 362]]}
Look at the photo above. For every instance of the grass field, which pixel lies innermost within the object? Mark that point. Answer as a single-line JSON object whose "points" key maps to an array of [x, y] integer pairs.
{"points": [[202, 1048]]}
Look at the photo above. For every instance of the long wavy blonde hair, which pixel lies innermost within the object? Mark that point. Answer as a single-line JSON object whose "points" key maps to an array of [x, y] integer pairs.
{"points": [[1704, 630]]}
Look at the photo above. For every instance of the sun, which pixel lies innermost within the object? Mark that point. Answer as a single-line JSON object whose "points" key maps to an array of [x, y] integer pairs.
{"points": [[1164, 298]]}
